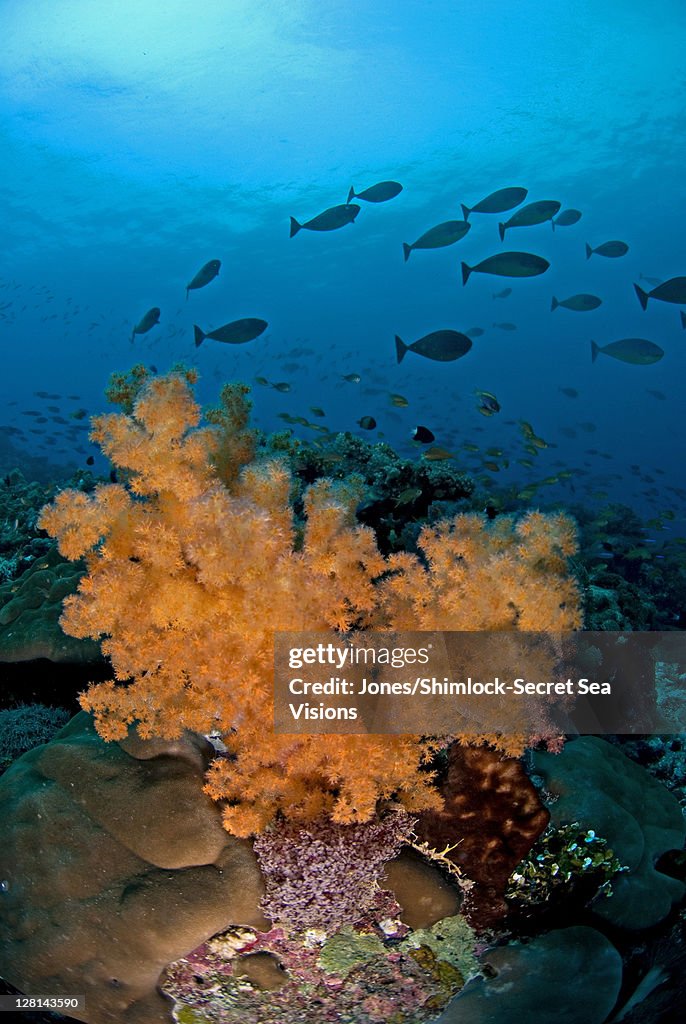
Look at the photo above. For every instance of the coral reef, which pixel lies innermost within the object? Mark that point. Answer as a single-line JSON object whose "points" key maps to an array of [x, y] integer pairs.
{"points": [[194, 561], [27, 726], [114, 863]]}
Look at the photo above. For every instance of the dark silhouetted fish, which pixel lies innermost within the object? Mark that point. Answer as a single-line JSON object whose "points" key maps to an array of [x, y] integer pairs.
{"points": [[637, 351], [566, 219], [441, 346], [503, 294], [508, 264], [610, 249], [329, 220], [147, 322], [506, 326], [475, 332], [235, 333], [673, 290], [497, 202], [532, 213], [379, 193], [367, 423], [423, 435], [436, 238], [579, 303], [204, 276]]}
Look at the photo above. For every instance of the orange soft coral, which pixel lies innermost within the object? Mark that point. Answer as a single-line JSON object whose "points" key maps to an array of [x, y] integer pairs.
{"points": [[195, 563]]}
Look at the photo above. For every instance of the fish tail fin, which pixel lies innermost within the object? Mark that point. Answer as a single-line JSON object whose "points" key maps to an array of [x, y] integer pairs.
{"points": [[595, 349], [198, 335], [589, 251], [501, 232], [407, 249], [400, 349], [465, 211], [351, 194], [295, 227], [642, 296], [466, 271], [683, 319], [554, 304]]}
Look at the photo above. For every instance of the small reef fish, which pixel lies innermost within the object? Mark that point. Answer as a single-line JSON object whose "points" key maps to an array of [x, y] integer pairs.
{"points": [[673, 290], [488, 403], [532, 213], [331, 219], [609, 249], [441, 346], [581, 303], [447, 233], [423, 435], [367, 422], [506, 326], [408, 496], [475, 332], [351, 378], [399, 401], [379, 193], [566, 219], [146, 323], [508, 264], [436, 454], [204, 276], [497, 202], [235, 333], [282, 385], [636, 351]]}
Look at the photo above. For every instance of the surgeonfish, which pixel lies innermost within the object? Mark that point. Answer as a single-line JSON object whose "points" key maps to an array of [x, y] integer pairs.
{"points": [[532, 213], [329, 220], [448, 233], [508, 264], [206, 274], [441, 346], [235, 333], [497, 202], [146, 323], [379, 193]]}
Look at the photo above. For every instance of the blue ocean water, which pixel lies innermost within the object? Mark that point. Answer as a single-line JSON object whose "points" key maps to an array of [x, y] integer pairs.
{"points": [[140, 140]]}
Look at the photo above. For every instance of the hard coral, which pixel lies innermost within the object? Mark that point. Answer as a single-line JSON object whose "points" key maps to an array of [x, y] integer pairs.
{"points": [[194, 562]]}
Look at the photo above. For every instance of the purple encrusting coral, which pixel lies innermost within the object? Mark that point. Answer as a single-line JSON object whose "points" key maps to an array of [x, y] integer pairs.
{"points": [[324, 875]]}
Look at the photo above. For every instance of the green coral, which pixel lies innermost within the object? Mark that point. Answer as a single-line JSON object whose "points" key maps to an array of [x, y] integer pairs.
{"points": [[348, 949]]}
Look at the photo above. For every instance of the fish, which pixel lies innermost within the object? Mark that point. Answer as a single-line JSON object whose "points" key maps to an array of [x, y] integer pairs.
{"points": [[399, 401], [235, 333], [90, 461], [283, 386], [566, 219], [497, 202], [660, 395], [503, 294], [636, 351], [488, 403], [379, 193], [610, 249], [316, 411], [437, 454], [207, 273], [408, 496], [351, 378], [506, 326], [673, 290], [569, 392], [367, 423], [581, 303], [508, 264], [79, 414], [532, 213], [331, 219], [475, 332], [423, 435], [146, 323], [447, 233], [441, 346], [262, 381]]}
